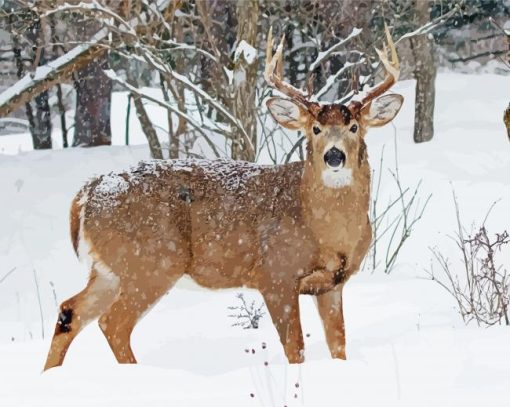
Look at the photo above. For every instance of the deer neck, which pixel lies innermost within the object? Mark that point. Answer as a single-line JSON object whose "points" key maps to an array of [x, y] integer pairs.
{"points": [[327, 210]]}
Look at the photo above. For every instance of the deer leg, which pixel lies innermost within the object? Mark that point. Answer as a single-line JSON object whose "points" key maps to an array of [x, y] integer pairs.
{"points": [[78, 311], [119, 321], [117, 325], [331, 311], [330, 304], [284, 311]]}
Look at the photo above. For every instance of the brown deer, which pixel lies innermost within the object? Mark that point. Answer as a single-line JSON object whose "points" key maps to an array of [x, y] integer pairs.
{"points": [[298, 228]]}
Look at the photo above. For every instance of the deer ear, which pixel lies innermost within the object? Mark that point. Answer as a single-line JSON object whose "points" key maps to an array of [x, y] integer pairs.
{"points": [[288, 113], [382, 110]]}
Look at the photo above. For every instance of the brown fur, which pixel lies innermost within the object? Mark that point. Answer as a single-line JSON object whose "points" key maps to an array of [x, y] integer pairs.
{"points": [[226, 224], [74, 220], [333, 114]]}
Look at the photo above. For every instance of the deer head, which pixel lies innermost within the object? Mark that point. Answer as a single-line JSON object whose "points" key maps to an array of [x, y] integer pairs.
{"points": [[334, 132]]}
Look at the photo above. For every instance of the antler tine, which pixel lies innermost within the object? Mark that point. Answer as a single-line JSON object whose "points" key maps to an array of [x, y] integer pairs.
{"points": [[273, 74], [392, 68]]}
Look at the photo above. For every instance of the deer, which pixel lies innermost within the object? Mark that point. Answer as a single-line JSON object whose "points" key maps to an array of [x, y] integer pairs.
{"points": [[284, 230]]}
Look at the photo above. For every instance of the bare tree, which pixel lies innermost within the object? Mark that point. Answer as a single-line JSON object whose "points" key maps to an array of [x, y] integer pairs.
{"points": [[246, 316], [205, 57]]}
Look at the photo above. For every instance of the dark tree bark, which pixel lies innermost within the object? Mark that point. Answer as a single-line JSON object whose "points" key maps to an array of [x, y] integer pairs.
{"points": [[425, 73], [41, 131], [93, 105], [219, 22], [40, 122]]}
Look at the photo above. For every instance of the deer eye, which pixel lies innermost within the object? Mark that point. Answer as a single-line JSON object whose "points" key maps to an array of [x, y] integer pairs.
{"points": [[354, 128], [316, 130]]}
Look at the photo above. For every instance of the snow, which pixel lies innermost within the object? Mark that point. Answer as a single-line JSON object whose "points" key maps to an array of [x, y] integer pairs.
{"points": [[231, 175], [111, 185], [406, 344], [247, 51]]}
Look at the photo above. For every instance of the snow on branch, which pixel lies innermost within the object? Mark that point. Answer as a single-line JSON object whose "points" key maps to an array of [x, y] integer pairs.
{"points": [[50, 74], [325, 54], [431, 25], [61, 68], [331, 79]]}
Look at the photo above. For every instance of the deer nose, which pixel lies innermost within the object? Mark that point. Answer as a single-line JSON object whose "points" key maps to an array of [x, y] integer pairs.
{"points": [[334, 157]]}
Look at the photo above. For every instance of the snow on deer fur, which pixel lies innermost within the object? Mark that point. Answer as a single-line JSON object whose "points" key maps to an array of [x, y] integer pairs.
{"points": [[233, 224]]}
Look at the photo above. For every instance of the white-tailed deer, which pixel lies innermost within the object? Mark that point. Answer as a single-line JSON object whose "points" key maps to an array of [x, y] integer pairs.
{"points": [[299, 228]]}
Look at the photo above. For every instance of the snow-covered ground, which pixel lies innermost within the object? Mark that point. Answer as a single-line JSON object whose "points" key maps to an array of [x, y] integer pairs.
{"points": [[406, 344]]}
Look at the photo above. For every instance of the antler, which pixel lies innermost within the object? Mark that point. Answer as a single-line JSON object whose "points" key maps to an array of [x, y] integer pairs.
{"points": [[273, 75], [392, 68]]}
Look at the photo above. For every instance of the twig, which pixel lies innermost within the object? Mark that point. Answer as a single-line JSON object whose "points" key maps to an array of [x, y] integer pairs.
{"points": [[40, 304], [7, 275]]}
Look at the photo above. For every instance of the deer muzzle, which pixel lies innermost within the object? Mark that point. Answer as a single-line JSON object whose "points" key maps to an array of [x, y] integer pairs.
{"points": [[334, 157]]}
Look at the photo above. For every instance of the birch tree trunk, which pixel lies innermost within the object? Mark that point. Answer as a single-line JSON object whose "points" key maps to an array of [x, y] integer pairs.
{"points": [[425, 74]]}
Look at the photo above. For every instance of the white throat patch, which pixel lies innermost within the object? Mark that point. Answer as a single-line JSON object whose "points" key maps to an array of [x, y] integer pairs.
{"points": [[337, 177]]}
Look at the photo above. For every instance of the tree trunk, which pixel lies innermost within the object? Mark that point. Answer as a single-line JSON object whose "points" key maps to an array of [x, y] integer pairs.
{"points": [[143, 117], [40, 123], [41, 132], [93, 105], [245, 90], [148, 129], [217, 18], [425, 74]]}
